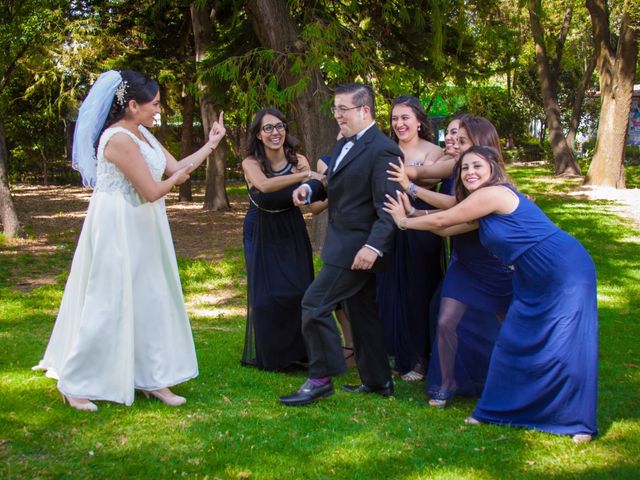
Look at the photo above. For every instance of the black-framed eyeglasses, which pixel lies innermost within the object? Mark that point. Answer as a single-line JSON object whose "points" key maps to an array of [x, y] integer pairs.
{"points": [[268, 128], [343, 109]]}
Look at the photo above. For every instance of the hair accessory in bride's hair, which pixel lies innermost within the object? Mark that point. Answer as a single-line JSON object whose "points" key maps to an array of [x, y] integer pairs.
{"points": [[121, 92]]}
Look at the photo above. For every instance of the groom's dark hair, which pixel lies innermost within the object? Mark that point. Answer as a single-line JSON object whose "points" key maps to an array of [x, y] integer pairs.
{"points": [[362, 94]]}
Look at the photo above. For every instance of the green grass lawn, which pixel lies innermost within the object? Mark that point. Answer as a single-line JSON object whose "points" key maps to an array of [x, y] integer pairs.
{"points": [[233, 427]]}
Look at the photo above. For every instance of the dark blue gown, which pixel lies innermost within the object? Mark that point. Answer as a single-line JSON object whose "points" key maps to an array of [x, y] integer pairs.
{"points": [[544, 368], [480, 286], [404, 293], [279, 269]]}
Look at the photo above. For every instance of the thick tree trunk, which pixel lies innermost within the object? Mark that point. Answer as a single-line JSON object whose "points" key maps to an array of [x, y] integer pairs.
{"points": [[10, 224], [565, 162], [616, 69], [186, 142], [215, 197], [276, 30], [578, 101]]}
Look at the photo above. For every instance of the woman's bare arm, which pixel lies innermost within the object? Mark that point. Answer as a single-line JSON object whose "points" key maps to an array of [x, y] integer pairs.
{"points": [[124, 153]]}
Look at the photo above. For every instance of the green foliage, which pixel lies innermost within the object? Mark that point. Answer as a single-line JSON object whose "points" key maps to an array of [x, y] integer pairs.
{"points": [[504, 112], [632, 154]]}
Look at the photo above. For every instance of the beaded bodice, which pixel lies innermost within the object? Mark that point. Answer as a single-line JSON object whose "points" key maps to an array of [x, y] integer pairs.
{"points": [[109, 176]]}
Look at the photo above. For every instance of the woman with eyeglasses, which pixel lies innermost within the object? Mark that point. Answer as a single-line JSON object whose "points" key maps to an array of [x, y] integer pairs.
{"points": [[276, 245]]}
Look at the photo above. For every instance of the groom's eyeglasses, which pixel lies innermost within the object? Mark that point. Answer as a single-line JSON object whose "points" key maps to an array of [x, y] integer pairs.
{"points": [[268, 128], [342, 109]]}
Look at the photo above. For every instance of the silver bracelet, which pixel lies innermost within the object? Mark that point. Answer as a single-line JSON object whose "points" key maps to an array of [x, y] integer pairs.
{"points": [[411, 190], [412, 212], [400, 226]]}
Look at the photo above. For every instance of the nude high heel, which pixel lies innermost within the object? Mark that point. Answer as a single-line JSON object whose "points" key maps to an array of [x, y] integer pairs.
{"points": [[166, 396], [582, 438], [79, 403]]}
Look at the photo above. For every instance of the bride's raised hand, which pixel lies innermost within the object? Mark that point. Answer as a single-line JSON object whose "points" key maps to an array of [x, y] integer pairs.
{"points": [[398, 174], [217, 132]]}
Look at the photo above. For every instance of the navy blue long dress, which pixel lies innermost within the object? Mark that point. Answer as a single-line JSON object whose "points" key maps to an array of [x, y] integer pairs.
{"points": [[279, 269], [476, 292], [544, 368], [404, 293]]}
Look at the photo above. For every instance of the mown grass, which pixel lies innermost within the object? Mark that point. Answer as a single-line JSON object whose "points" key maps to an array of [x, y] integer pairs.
{"points": [[233, 426]]}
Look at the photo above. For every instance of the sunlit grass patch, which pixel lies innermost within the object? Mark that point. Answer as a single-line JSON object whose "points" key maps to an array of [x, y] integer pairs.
{"points": [[632, 176]]}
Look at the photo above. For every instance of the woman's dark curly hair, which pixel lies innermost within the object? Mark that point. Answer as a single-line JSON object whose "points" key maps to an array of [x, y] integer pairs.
{"points": [[255, 146]]}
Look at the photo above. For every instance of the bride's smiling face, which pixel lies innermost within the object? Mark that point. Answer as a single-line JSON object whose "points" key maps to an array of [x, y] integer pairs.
{"points": [[146, 113]]}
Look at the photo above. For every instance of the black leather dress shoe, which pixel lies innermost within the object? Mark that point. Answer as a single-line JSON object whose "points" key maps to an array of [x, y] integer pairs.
{"points": [[308, 393], [384, 390]]}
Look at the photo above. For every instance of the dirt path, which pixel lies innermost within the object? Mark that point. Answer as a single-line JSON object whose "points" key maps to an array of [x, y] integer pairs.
{"points": [[53, 217]]}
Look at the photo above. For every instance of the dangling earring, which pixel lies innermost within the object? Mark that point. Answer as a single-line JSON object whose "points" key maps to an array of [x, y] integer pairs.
{"points": [[419, 127]]}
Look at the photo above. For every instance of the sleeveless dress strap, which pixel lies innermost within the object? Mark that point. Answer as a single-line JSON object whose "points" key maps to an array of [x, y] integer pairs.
{"points": [[153, 141], [110, 132]]}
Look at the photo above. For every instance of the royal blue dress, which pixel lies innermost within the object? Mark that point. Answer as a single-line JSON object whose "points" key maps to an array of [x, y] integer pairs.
{"points": [[279, 265], [475, 295], [404, 293], [544, 368]]}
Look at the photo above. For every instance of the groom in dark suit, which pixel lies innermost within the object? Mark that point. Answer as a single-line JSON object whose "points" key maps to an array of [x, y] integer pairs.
{"points": [[359, 235]]}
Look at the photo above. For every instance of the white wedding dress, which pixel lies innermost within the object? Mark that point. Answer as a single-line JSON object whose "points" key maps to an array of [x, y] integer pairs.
{"points": [[122, 323]]}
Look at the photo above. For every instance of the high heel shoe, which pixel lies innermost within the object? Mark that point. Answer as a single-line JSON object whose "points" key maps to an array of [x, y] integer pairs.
{"points": [[79, 403], [166, 396], [413, 376], [472, 421], [441, 399], [582, 438]]}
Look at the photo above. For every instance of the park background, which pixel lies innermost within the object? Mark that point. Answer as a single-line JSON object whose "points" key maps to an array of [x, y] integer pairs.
{"points": [[555, 77]]}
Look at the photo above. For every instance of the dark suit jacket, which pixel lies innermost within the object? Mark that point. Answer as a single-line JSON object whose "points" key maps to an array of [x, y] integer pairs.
{"points": [[356, 192]]}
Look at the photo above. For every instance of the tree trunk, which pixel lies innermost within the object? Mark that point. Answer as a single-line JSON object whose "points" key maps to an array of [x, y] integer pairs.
{"points": [[616, 69], [186, 142], [215, 197], [565, 162], [45, 167], [576, 111], [276, 30], [8, 216]]}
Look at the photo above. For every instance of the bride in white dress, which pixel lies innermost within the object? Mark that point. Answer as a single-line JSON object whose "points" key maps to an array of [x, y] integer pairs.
{"points": [[122, 323]]}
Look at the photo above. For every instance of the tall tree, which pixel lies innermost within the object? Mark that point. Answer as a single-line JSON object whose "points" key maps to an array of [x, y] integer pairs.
{"points": [[186, 140], [215, 197], [616, 63], [25, 28], [277, 31], [8, 216], [564, 160]]}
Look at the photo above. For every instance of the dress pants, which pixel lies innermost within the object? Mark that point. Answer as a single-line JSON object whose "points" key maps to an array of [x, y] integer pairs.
{"points": [[356, 291]]}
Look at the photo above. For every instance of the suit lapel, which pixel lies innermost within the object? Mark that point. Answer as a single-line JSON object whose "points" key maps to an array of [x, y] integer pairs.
{"points": [[356, 150]]}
